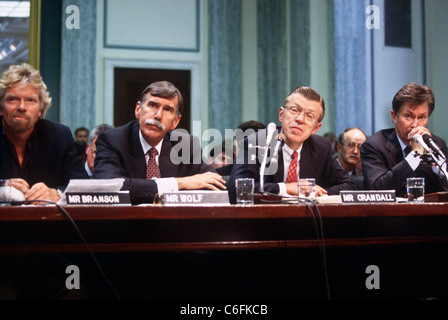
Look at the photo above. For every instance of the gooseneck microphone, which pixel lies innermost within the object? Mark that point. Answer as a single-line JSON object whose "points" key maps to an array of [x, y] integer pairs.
{"points": [[271, 129], [280, 137], [427, 138], [418, 138]]}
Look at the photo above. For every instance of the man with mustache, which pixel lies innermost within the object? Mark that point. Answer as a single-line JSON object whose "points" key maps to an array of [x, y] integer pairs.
{"points": [[146, 151], [349, 157], [301, 154], [391, 155], [38, 155], [349, 148]]}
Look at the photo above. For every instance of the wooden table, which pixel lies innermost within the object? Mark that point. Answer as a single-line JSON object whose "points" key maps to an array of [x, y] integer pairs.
{"points": [[168, 228]]}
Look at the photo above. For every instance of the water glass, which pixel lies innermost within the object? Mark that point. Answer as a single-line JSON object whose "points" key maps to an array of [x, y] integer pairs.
{"points": [[5, 192], [307, 188], [415, 189], [244, 191]]}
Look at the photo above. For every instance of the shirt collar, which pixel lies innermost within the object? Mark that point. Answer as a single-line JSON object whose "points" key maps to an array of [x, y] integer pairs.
{"points": [[146, 146], [287, 152], [402, 144]]}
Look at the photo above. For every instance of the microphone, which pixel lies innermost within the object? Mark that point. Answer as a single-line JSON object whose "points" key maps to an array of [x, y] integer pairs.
{"points": [[427, 138], [418, 138], [271, 129], [280, 137]]}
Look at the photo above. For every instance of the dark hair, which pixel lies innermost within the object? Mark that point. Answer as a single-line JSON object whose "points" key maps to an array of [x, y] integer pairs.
{"points": [[309, 94], [341, 139], [414, 94], [252, 124], [81, 129], [163, 89]]}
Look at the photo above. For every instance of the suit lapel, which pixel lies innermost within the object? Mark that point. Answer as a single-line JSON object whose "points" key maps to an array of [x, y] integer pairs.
{"points": [[306, 167], [138, 161], [167, 167], [393, 147]]}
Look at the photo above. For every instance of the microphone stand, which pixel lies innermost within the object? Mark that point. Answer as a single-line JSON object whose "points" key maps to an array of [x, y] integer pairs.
{"points": [[439, 164]]}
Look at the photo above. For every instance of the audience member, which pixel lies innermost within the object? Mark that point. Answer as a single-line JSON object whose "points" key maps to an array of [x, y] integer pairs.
{"points": [[302, 153], [349, 157], [332, 137], [391, 155], [90, 150], [81, 134], [152, 156], [349, 148]]}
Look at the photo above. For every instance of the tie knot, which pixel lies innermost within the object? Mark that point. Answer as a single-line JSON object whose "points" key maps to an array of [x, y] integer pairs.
{"points": [[407, 150], [294, 155], [153, 152]]}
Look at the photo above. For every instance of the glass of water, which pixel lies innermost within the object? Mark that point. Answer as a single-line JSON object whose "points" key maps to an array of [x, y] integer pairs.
{"points": [[307, 188], [5, 192], [415, 189], [244, 191]]}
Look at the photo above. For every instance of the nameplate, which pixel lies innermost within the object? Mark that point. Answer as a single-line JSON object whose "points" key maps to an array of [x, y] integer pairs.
{"points": [[196, 197], [98, 198], [373, 196]]}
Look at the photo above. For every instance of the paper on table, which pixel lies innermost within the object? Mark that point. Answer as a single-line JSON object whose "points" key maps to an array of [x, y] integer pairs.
{"points": [[92, 185]]}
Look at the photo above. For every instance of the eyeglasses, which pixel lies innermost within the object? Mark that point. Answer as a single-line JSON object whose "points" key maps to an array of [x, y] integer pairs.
{"points": [[295, 111], [353, 145]]}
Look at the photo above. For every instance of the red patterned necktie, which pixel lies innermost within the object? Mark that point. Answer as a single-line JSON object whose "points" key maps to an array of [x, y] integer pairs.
{"points": [[152, 170], [292, 172]]}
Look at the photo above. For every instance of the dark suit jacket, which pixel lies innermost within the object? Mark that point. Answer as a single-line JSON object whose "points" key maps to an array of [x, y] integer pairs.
{"points": [[316, 161], [120, 155], [384, 168], [51, 158]]}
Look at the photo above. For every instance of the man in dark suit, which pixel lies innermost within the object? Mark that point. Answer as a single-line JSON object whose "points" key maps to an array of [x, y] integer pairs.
{"points": [[302, 154], [38, 155], [390, 156], [177, 163], [40, 158]]}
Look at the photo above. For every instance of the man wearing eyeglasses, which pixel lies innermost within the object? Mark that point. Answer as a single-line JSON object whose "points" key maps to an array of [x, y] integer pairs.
{"points": [[349, 150], [391, 155], [302, 154]]}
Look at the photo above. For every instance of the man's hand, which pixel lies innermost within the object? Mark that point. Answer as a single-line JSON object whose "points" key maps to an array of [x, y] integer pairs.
{"points": [[414, 144], [39, 191], [20, 185], [208, 180], [292, 189]]}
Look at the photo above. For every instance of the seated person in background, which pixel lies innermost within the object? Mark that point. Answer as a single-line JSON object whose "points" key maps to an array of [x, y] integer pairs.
{"points": [[245, 129], [349, 156], [90, 149], [82, 134], [146, 151], [302, 153], [332, 137], [391, 155], [38, 155], [247, 126], [222, 162]]}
